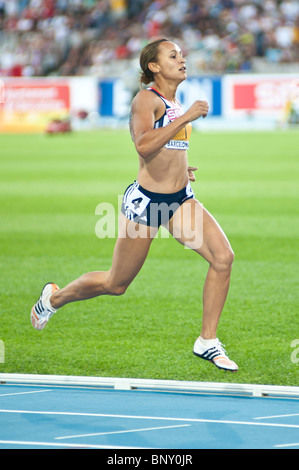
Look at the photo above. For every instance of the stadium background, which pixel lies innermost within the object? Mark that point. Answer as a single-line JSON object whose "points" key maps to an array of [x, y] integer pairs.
{"points": [[70, 69]]}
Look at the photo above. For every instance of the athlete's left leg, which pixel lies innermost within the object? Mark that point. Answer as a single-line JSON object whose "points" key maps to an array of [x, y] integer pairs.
{"points": [[193, 226]]}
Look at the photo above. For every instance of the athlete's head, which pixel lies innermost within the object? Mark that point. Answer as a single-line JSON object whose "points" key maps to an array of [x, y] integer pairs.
{"points": [[163, 56], [148, 55]]}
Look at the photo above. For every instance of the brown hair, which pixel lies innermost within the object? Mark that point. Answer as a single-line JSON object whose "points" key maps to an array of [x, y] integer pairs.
{"points": [[149, 54]]}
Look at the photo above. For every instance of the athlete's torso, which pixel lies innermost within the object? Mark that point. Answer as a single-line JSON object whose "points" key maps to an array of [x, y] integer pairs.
{"points": [[165, 171]]}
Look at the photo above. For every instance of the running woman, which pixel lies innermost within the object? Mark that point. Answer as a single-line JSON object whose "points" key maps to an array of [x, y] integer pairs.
{"points": [[161, 195]]}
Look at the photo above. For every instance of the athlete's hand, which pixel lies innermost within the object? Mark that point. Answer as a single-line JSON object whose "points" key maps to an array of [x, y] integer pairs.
{"points": [[198, 109], [190, 172]]}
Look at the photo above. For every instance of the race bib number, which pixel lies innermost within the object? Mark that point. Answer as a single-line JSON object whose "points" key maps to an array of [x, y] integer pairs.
{"points": [[137, 202]]}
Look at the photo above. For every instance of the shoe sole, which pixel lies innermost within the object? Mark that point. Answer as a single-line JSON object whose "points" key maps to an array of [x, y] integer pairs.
{"points": [[219, 367], [34, 318], [35, 321]]}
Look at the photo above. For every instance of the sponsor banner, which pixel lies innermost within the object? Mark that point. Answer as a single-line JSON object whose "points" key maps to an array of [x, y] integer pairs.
{"points": [[28, 105], [115, 98], [84, 94], [257, 95]]}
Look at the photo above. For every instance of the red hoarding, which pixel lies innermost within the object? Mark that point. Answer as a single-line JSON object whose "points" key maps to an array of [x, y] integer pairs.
{"points": [[29, 105], [260, 95]]}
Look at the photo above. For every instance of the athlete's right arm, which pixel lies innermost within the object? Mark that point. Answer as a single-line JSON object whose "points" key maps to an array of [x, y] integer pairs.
{"points": [[145, 107]]}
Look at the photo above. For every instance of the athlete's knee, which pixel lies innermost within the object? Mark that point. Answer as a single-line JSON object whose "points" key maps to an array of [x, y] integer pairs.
{"points": [[114, 288], [223, 259], [118, 290]]}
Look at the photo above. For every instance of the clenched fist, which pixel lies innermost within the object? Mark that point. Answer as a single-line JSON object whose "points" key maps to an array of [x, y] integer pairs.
{"points": [[198, 109]]}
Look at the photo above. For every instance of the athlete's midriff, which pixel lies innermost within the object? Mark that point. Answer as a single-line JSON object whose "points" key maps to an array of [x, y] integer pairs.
{"points": [[165, 172]]}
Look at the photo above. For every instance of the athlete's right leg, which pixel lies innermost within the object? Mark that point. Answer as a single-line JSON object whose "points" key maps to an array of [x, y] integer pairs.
{"points": [[130, 252]]}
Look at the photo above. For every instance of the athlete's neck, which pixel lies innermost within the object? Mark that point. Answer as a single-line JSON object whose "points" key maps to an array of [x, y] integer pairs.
{"points": [[168, 92]]}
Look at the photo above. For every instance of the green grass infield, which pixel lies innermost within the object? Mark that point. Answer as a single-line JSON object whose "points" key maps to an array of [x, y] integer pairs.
{"points": [[50, 187]]}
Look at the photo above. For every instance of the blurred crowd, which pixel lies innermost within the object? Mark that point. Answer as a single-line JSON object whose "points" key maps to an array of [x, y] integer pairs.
{"points": [[90, 37]]}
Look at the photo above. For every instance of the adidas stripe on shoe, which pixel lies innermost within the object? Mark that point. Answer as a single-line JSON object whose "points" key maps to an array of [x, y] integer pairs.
{"points": [[42, 310], [214, 353]]}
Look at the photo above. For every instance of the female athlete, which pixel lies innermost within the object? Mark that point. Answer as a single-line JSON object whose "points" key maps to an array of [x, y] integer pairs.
{"points": [[161, 195]]}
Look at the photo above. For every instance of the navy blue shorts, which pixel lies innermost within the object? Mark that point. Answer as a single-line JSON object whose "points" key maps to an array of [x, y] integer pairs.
{"points": [[152, 209]]}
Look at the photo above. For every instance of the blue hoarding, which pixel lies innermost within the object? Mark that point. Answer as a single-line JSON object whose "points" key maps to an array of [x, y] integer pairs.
{"points": [[115, 98]]}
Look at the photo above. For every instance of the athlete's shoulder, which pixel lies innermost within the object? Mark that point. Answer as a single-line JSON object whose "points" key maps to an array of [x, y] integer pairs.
{"points": [[145, 94], [145, 98]]}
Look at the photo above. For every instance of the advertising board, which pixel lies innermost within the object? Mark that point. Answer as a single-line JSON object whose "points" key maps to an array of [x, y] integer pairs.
{"points": [[264, 96], [115, 97], [29, 105]]}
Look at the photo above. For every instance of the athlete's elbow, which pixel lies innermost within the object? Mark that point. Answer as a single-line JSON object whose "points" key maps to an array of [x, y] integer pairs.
{"points": [[144, 150]]}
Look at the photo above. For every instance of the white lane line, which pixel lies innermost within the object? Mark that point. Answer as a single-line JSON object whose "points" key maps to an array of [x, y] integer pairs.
{"points": [[23, 393], [295, 444], [56, 444], [277, 416], [160, 418], [123, 432]]}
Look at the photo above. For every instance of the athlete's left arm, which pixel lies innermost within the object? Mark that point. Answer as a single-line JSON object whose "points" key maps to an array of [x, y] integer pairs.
{"points": [[191, 175]]}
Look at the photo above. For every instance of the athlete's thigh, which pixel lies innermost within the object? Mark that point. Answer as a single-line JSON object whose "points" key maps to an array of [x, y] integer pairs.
{"points": [[131, 249], [194, 227]]}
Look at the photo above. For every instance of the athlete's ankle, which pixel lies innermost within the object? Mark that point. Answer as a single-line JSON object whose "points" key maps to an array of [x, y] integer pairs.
{"points": [[53, 301]]}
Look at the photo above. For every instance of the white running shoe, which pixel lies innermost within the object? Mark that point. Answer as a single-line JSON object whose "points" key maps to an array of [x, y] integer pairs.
{"points": [[215, 353], [42, 310]]}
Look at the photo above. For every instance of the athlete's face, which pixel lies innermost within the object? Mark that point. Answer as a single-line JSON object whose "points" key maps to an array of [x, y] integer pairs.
{"points": [[171, 63]]}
